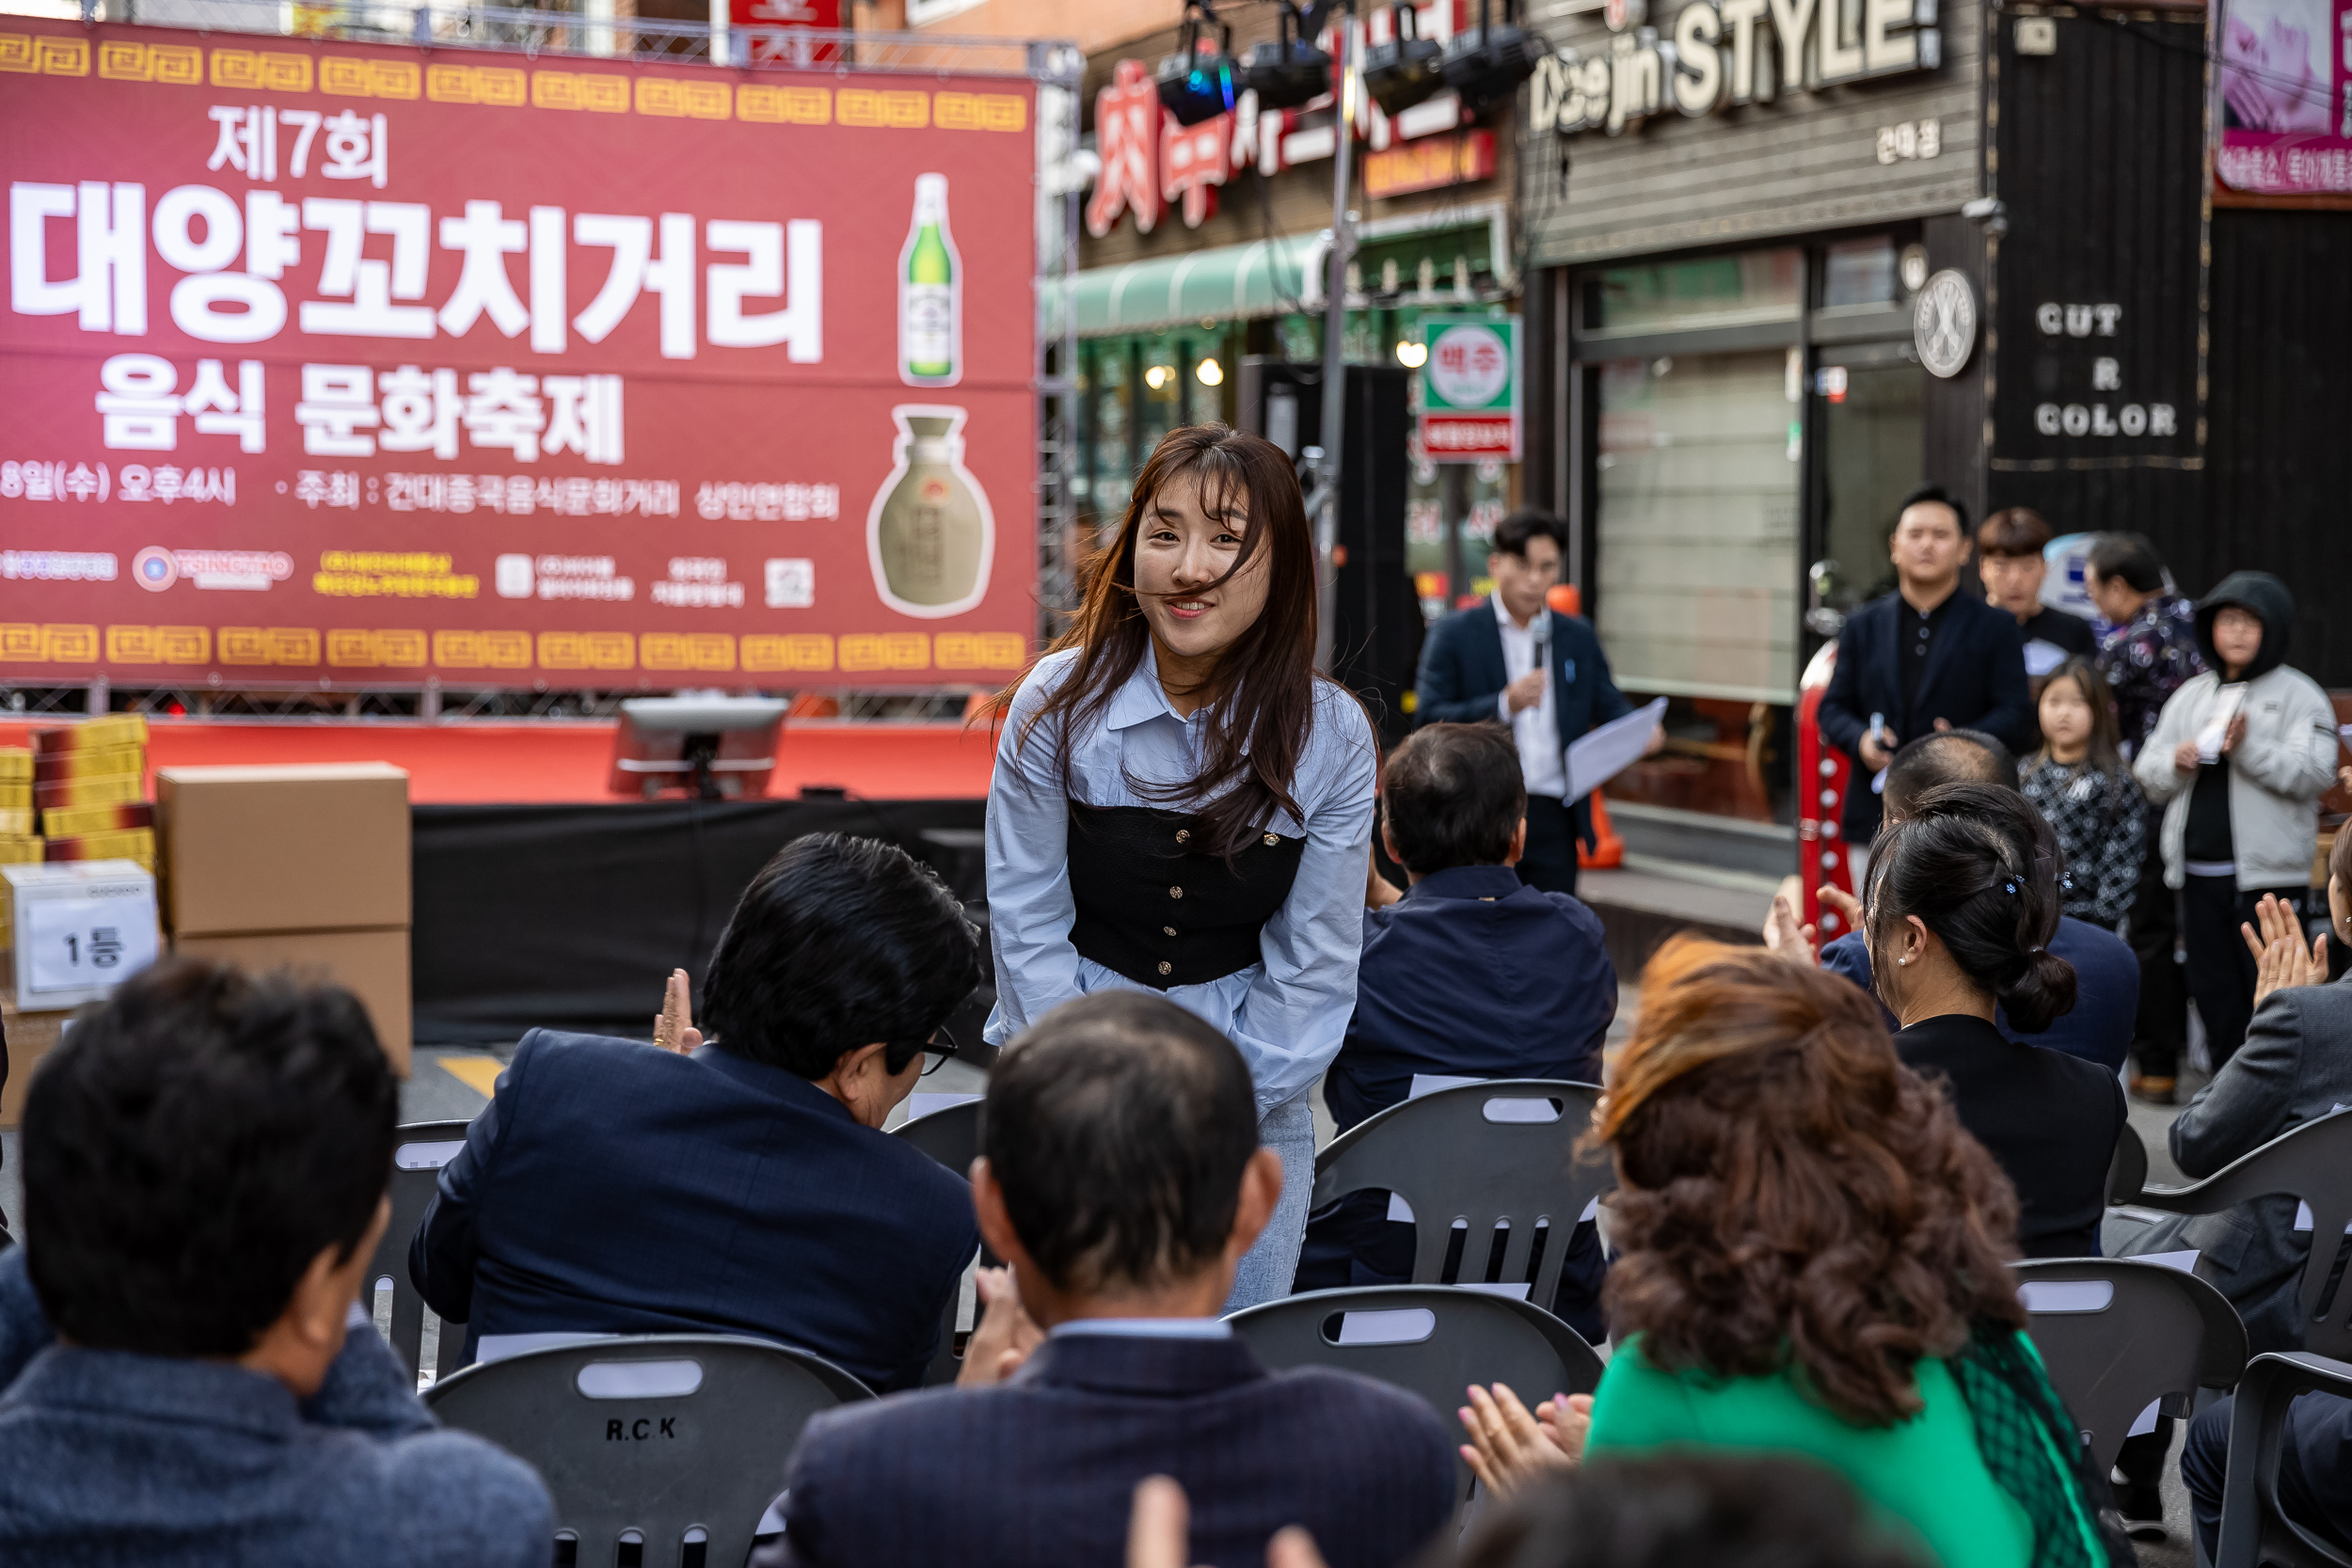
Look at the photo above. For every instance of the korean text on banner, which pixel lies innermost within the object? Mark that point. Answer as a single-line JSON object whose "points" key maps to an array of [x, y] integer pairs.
{"points": [[2282, 91], [367, 363]]}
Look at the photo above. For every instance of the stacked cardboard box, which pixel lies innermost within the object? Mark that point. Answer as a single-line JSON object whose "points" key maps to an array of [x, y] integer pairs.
{"points": [[303, 868], [89, 786]]}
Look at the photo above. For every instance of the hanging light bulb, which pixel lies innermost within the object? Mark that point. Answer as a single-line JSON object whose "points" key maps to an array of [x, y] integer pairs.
{"points": [[1159, 376], [1410, 355], [1209, 373]]}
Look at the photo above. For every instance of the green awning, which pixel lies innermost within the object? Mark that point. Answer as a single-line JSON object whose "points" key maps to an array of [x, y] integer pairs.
{"points": [[1236, 282]]}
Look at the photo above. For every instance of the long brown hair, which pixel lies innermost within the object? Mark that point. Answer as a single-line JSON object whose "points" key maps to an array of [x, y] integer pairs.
{"points": [[1263, 686], [1792, 1198]]}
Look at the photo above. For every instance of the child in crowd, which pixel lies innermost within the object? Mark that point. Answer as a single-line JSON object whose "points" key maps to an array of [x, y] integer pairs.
{"points": [[2079, 781]]}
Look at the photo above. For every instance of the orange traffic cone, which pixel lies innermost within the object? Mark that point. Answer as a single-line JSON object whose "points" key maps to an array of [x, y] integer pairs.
{"points": [[1608, 850]]}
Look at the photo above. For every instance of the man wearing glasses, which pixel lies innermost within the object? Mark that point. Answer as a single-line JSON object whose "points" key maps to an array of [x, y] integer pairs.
{"points": [[740, 1184]]}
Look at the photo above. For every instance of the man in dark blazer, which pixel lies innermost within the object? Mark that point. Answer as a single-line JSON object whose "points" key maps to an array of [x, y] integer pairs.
{"points": [[1517, 660], [616, 1187], [1121, 1177], [1924, 658]]}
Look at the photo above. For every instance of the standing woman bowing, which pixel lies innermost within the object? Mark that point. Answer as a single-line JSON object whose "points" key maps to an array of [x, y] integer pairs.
{"points": [[1182, 804]]}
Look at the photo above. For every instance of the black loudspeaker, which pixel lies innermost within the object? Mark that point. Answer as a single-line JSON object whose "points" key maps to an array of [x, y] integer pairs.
{"points": [[1377, 621]]}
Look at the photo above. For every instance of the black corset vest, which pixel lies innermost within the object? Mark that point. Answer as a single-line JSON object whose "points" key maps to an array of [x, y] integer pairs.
{"points": [[1155, 908]]}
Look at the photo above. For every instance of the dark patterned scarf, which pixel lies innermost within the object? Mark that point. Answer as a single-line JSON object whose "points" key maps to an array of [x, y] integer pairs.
{"points": [[2034, 1451]]}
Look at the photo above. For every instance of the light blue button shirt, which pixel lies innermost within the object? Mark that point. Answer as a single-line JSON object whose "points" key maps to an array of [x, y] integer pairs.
{"points": [[1288, 1012]]}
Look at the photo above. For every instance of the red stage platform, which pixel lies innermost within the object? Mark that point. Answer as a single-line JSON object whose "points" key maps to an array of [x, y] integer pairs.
{"points": [[464, 763]]}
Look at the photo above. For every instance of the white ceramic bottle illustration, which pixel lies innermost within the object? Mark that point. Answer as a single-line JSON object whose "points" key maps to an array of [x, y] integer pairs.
{"points": [[930, 534], [930, 293]]}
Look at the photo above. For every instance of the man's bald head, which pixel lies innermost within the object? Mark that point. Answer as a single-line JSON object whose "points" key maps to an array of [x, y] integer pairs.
{"points": [[1950, 756]]}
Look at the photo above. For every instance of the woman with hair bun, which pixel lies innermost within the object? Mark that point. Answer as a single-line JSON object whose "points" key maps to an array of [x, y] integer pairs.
{"points": [[1962, 899]]}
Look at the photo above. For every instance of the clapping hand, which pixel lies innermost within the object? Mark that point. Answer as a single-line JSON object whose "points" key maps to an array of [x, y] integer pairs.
{"points": [[1509, 1447], [1787, 936], [674, 1025], [1161, 1519], [1004, 1335], [2280, 961]]}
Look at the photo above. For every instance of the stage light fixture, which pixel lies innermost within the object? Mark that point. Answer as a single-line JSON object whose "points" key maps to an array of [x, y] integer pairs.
{"points": [[1196, 81], [1405, 69], [1289, 72], [1485, 67]]}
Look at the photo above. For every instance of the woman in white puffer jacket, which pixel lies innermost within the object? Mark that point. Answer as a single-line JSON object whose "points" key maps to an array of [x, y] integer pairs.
{"points": [[2243, 820]]}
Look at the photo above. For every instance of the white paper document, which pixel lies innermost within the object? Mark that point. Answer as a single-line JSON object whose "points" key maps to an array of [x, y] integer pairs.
{"points": [[2041, 657], [1596, 758], [2225, 704]]}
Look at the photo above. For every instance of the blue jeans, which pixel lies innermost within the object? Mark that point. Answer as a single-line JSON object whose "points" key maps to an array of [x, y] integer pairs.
{"points": [[1267, 1269]]}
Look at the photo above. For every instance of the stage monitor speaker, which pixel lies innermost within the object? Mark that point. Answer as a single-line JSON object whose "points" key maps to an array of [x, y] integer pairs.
{"points": [[1376, 620]]}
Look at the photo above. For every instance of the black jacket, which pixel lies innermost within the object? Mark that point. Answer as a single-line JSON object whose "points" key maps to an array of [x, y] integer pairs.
{"points": [[1975, 680], [2051, 1120]]}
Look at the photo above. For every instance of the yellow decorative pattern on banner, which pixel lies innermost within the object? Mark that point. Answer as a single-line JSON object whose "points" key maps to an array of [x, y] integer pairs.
{"points": [[671, 97], [481, 650], [261, 69], [600, 91], [159, 645], [685, 650], [894, 111], [51, 644], [889, 650], [587, 650], [399, 650], [765, 654], [357, 78], [128, 60], [46, 57], [980, 650], [268, 646], [784, 105], [980, 111], [500, 86]]}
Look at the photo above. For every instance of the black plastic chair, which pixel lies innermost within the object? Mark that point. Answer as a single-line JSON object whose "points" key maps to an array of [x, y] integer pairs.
{"points": [[2254, 1529], [952, 1137], [1516, 1188], [401, 1314], [2127, 1173], [2313, 1163], [668, 1440], [1434, 1340], [2118, 1335]]}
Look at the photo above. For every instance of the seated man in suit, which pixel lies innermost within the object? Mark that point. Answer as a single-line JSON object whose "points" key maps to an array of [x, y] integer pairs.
{"points": [[1542, 673], [614, 1187], [1469, 973], [2314, 1465], [1122, 1180], [190, 1382], [1923, 659], [2097, 1027]]}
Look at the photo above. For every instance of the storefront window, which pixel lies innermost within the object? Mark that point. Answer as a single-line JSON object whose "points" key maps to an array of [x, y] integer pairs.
{"points": [[1860, 272], [1714, 290], [1106, 393]]}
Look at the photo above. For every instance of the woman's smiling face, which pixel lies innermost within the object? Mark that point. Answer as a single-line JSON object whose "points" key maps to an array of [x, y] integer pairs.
{"points": [[1182, 547]]}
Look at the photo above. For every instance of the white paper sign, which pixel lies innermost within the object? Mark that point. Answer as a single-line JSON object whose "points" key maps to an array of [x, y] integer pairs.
{"points": [[1597, 757], [2225, 706], [78, 943]]}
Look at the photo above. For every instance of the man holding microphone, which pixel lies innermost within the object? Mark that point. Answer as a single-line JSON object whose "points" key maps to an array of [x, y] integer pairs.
{"points": [[1515, 659]]}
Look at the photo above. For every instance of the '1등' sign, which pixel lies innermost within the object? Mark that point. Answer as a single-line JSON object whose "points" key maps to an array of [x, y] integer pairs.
{"points": [[1470, 389], [376, 364]]}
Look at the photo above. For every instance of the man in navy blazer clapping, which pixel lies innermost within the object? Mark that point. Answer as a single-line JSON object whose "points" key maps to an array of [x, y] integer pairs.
{"points": [[1120, 1176], [1516, 660], [1924, 658]]}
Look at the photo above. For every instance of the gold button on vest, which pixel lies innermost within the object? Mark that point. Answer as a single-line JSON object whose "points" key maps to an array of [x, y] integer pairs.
{"points": [[1165, 967]]}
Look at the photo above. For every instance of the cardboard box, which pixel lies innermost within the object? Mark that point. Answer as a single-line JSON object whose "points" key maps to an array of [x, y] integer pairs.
{"points": [[67, 821], [81, 929], [114, 844], [31, 1036], [308, 848], [373, 964], [90, 763], [16, 764], [105, 789], [112, 729]]}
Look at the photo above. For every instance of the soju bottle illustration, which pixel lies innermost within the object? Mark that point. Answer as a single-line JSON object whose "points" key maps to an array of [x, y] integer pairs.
{"points": [[929, 535], [930, 293]]}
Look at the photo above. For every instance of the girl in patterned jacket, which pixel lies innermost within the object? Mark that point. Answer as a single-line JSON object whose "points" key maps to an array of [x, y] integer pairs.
{"points": [[2079, 781]]}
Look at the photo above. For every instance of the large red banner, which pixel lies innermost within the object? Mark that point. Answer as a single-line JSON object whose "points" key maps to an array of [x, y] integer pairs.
{"points": [[372, 364]]}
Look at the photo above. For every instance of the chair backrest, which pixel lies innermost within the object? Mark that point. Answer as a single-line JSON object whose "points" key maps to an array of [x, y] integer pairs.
{"points": [[400, 1315], [2254, 1529], [1498, 1160], [1434, 1340], [952, 1137], [2313, 1163], [2119, 1335], [2127, 1173], [655, 1436]]}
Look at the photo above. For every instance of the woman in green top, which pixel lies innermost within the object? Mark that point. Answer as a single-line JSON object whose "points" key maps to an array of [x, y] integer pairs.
{"points": [[1812, 1261]]}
